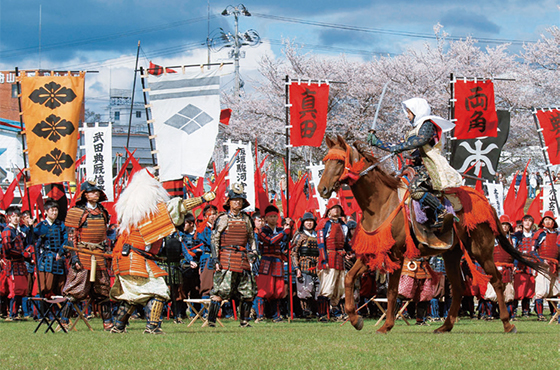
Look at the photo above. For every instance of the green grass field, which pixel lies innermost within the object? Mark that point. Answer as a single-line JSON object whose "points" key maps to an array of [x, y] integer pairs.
{"points": [[297, 345]]}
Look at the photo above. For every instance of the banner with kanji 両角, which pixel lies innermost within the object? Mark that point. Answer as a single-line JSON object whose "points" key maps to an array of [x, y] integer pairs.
{"points": [[475, 110], [549, 121], [308, 113], [51, 107], [186, 113], [99, 164], [243, 170]]}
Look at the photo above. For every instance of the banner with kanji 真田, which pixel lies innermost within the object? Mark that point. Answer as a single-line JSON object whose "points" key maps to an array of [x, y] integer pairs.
{"points": [[51, 107], [549, 121], [99, 163], [308, 113], [475, 110]]}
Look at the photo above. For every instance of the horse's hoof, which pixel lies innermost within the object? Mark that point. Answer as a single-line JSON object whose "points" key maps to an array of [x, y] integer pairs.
{"points": [[360, 323], [512, 331], [380, 332], [441, 332]]}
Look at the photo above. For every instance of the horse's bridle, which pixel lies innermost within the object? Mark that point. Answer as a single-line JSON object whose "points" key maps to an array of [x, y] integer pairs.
{"points": [[352, 171]]}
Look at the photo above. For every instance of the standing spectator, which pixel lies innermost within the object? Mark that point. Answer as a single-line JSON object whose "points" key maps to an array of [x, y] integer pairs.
{"points": [[539, 180], [532, 185]]}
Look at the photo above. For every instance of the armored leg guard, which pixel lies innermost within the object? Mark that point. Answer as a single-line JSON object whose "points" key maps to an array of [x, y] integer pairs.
{"points": [[259, 303], [244, 311], [434, 308], [421, 310], [430, 200], [539, 309], [153, 311], [105, 308], [121, 318], [213, 313], [525, 306]]}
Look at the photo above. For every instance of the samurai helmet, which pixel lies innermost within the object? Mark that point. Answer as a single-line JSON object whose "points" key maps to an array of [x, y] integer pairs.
{"points": [[89, 186], [237, 191], [549, 214]]}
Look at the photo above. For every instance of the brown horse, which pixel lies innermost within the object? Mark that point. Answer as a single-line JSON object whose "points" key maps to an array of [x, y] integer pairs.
{"points": [[376, 194]]}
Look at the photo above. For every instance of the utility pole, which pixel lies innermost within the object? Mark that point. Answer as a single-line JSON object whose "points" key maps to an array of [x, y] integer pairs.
{"points": [[250, 37]]}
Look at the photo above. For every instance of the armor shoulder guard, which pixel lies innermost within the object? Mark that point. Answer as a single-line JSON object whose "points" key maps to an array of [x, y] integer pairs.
{"points": [[74, 217]]}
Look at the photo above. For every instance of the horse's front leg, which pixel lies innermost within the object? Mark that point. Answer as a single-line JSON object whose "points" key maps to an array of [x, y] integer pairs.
{"points": [[392, 293], [350, 306]]}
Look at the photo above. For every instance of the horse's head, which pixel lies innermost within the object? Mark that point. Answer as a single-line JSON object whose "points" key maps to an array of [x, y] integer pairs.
{"points": [[340, 160]]}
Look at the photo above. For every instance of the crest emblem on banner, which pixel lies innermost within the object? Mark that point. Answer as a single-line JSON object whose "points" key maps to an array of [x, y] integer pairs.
{"points": [[51, 107], [480, 157], [186, 112]]}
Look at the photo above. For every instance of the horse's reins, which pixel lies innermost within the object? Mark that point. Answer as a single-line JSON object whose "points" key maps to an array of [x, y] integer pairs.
{"points": [[364, 172]]}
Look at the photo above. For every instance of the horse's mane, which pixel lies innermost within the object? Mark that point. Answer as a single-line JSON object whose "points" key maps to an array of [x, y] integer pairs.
{"points": [[378, 174]]}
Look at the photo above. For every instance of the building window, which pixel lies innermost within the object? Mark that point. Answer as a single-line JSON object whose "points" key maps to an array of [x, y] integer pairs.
{"points": [[138, 114], [117, 116], [14, 91]]}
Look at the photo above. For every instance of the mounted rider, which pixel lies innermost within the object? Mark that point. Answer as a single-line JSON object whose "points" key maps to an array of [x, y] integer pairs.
{"points": [[434, 173]]}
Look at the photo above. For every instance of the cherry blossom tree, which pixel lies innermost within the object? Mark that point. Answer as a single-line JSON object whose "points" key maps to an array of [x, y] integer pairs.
{"points": [[524, 80]]}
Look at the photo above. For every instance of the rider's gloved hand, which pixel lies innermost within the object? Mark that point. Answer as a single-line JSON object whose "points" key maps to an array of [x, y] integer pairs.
{"points": [[372, 139]]}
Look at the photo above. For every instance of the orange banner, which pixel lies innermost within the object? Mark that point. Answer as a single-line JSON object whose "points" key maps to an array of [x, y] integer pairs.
{"points": [[51, 107]]}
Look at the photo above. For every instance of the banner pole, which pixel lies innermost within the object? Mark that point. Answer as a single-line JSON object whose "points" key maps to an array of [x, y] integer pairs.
{"points": [[143, 81], [36, 252], [132, 100], [545, 159], [287, 210]]}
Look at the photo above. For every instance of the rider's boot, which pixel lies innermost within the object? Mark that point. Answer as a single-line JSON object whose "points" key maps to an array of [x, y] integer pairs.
{"points": [[443, 218]]}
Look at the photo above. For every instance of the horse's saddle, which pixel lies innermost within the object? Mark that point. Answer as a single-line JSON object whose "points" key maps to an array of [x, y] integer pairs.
{"points": [[434, 238]]}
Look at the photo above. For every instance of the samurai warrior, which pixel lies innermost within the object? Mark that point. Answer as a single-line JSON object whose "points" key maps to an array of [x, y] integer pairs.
{"points": [[434, 173], [87, 234], [146, 215], [234, 249]]}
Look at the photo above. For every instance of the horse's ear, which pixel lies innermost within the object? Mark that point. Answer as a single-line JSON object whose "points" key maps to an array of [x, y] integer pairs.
{"points": [[329, 142], [341, 141]]}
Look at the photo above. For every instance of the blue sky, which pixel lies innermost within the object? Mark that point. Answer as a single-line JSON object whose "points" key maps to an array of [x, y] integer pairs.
{"points": [[103, 34]]}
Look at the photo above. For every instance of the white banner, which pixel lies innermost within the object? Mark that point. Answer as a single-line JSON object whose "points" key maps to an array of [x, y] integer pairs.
{"points": [[316, 173], [496, 196], [548, 200], [186, 113], [99, 157], [243, 171]]}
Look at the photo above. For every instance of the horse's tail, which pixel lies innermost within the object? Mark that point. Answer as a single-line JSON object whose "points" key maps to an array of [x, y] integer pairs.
{"points": [[517, 255]]}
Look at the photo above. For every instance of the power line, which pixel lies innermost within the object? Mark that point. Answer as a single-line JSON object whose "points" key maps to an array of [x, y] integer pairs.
{"points": [[330, 48], [385, 31], [13, 52]]}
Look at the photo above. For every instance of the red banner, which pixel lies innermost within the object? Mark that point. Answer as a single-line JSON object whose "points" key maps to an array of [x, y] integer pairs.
{"points": [[308, 113], [475, 110], [550, 124]]}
